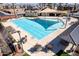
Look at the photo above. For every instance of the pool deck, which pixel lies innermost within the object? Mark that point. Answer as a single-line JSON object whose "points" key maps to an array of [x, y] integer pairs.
{"points": [[31, 41]]}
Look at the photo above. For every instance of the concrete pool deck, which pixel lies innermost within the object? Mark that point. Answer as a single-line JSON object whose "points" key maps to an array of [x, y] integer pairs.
{"points": [[31, 41]]}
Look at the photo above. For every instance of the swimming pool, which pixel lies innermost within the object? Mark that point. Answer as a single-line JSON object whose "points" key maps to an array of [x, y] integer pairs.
{"points": [[38, 28]]}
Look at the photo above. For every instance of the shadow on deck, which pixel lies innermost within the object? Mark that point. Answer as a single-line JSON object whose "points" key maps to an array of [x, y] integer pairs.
{"points": [[57, 45]]}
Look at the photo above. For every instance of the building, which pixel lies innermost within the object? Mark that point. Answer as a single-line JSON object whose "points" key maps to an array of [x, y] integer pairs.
{"points": [[52, 12], [6, 16], [31, 13]]}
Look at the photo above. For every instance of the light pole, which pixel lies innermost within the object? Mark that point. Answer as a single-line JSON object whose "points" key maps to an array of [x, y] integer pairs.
{"points": [[67, 19]]}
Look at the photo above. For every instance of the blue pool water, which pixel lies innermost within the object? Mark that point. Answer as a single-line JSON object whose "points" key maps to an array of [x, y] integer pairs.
{"points": [[38, 28]]}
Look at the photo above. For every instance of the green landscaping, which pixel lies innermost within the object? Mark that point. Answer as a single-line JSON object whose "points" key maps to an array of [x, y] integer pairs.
{"points": [[62, 53], [25, 54]]}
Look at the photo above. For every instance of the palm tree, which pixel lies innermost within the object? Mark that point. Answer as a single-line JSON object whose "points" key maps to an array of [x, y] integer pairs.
{"points": [[68, 18], [29, 7], [54, 5], [75, 6], [20, 43], [19, 34], [1, 6], [13, 6], [59, 6], [1, 26], [49, 5]]}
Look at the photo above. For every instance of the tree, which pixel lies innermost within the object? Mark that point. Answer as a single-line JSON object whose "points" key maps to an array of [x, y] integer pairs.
{"points": [[49, 5], [60, 6], [29, 7], [54, 5], [42, 5], [1, 26], [19, 34], [13, 6], [6, 7], [20, 43], [24, 6]]}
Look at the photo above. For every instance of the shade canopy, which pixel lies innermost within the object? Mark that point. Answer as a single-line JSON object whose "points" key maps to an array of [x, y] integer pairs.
{"points": [[49, 10], [75, 35]]}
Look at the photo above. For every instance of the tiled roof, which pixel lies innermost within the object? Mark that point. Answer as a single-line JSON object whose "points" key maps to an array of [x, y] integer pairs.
{"points": [[2, 14]]}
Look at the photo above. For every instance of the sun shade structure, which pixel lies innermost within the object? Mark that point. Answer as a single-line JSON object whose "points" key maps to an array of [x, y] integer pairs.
{"points": [[75, 35], [49, 10], [71, 34]]}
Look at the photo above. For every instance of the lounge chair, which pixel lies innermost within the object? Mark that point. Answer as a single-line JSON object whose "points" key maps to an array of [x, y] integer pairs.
{"points": [[63, 42], [49, 46], [36, 48]]}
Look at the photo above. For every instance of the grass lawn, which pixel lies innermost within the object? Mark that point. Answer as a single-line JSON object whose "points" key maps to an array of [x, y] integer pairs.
{"points": [[62, 53], [25, 54]]}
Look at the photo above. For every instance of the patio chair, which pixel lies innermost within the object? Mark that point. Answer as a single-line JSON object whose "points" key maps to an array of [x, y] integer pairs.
{"points": [[36, 48], [32, 50]]}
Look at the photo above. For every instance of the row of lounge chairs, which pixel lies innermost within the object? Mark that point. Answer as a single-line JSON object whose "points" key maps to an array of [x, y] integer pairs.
{"points": [[47, 48], [38, 47]]}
